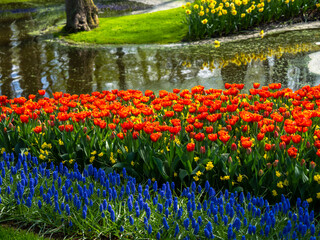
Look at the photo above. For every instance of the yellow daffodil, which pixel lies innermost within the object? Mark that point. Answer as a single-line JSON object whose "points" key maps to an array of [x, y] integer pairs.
{"points": [[204, 21], [209, 166], [100, 154]]}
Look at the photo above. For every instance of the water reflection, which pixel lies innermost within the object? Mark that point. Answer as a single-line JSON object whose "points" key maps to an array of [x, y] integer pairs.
{"points": [[80, 70], [29, 63], [122, 69]]}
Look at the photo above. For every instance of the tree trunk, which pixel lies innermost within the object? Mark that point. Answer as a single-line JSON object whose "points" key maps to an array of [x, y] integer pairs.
{"points": [[82, 15]]}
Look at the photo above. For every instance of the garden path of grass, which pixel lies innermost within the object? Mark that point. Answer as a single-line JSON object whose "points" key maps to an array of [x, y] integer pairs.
{"points": [[9, 233], [158, 27]]}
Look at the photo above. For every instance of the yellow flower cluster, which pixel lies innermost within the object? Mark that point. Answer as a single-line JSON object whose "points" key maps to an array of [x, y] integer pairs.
{"points": [[100, 154], [177, 141], [317, 178], [239, 178], [46, 145], [43, 151], [198, 174], [224, 178], [112, 159], [280, 184], [224, 16], [209, 166], [309, 200]]}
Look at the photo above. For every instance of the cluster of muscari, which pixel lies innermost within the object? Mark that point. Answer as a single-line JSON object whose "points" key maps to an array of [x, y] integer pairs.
{"points": [[181, 216]]}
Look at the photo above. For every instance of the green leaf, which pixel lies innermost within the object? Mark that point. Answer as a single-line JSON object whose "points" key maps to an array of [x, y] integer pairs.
{"points": [[20, 146], [161, 168], [238, 189], [195, 170], [131, 157], [304, 178], [107, 146], [65, 156], [182, 174]]}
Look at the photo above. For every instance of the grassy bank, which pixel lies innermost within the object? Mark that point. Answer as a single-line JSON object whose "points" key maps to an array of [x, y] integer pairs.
{"points": [[9, 233], [158, 27]]}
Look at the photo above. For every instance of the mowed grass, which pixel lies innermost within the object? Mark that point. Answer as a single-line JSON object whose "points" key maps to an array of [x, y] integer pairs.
{"points": [[13, 1], [159, 27], [8, 233]]}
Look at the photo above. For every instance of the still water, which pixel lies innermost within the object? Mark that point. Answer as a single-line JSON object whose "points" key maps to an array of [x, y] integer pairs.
{"points": [[31, 62]]}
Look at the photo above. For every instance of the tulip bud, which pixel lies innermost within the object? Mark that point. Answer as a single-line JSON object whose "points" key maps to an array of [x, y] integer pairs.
{"points": [[44, 127], [287, 114], [308, 145], [266, 114], [229, 159], [276, 134], [269, 165], [234, 147], [260, 172], [229, 128], [249, 151], [192, 134], [52, 123], [135, 135], [245, 128], [10, 125], [273, 147], [88, 138], [282, 145], [3, 116], [202, 149], [112, 136], [85, 129], [313, 164], [83, 120], [275, 163], [303, 162], [171, 137]]}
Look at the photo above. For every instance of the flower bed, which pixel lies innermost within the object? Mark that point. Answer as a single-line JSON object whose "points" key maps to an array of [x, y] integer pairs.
{"points": [[265, 141], [95, 204], [208, 18]]}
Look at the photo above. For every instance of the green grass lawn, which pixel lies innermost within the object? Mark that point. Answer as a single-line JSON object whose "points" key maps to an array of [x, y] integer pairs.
{"points": [[22, 1], [8, 233], [33, 1], [159, 27], [12, 1]]}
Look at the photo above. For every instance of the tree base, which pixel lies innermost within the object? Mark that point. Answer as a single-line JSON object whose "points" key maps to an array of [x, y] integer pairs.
{"points": [[82, 15]]}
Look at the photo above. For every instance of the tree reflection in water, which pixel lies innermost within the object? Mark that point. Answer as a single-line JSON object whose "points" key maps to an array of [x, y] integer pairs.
{"points": [[81, 67]]}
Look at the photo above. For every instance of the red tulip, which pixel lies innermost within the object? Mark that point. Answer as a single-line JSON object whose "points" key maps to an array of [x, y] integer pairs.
{"points": [[190, 147]]}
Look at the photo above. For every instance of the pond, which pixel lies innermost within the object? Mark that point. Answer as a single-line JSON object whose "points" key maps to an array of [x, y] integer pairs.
{"points": [[29, 62]]}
